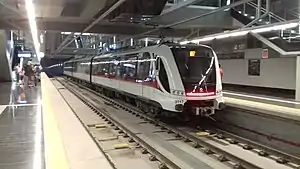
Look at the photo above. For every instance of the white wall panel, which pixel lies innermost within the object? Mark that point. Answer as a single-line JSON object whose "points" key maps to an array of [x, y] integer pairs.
{"points": [[274, 72]]}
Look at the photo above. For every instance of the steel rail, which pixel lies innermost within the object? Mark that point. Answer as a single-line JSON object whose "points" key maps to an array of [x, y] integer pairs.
{"points": [[197, 142], [137, 139]]}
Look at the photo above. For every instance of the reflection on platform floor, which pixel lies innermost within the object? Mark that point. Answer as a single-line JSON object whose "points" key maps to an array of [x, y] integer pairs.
{"points": [[14, 94], [21, 134], [263, 99]]}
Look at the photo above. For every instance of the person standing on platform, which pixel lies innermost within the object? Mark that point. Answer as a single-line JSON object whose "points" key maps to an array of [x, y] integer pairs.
{"points": [[17, 72], [22, 74], [28, 78], [221, 71]]}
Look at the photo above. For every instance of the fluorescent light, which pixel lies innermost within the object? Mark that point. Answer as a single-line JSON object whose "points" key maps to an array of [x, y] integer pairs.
{"points": [[131, 42], [76, 33], [41, 38], [242, 32], [76, 43], [222, 36], [272, 38], [206, 39], [31, 19], [66, 33], [146, 42], [233, 34], [181, 43], [42, 54], [273, 28]]}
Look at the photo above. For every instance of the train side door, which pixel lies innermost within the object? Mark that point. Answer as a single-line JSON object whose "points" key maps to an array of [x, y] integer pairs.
{"points": [[146, 75]]}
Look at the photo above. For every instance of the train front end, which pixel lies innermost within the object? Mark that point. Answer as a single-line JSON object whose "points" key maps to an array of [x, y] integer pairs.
{"points": [[200, 74]]}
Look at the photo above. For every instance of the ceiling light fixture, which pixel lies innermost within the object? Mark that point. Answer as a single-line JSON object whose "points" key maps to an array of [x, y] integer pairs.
{"points": [[76, 33], [146, 41], [33, 28], [41, 38]]}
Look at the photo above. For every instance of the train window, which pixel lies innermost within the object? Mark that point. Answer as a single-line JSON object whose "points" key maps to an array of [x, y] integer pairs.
{"points": [[83, 66], [75, 66], [114, 68], [68, 66], [163, 76], [129, 67], [144, 67], [100, 67], [157, 63], [94, 68], [193, 62]]}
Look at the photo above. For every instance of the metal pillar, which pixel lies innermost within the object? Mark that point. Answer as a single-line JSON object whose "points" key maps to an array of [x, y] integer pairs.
{"points": [[297, 93], [258, 10]]}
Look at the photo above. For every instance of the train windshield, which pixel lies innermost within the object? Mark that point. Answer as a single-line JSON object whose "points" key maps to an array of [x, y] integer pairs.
{"points": [[196, 66]]}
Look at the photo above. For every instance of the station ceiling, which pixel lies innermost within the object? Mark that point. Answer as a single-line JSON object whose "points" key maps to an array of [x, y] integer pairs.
{"points": [[75, 15]]}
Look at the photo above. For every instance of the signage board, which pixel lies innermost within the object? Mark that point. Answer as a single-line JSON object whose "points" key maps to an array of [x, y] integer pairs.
{"points": [[24, 54], [265, 53]]}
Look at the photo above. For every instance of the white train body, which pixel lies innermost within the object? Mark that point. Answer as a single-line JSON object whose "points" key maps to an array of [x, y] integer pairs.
{"points": [[171, 77]]}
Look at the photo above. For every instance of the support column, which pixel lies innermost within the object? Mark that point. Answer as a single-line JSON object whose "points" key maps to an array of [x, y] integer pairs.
{"points": [[297, 97]]}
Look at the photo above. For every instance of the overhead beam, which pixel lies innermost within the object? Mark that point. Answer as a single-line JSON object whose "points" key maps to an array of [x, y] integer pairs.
{"points": [[192, 18], [18, 28], [173, 8], [68, 38], [193, 32], [101, 17], [12, 9], [112, 29]]}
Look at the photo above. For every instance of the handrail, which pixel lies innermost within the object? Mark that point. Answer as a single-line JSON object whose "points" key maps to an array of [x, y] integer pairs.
{"points": [[275, 47], [268, 43], [280, 19], [292, 12]]}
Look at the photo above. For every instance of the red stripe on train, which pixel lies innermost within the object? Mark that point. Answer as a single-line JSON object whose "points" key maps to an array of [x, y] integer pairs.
{"points": [[152, 84]]}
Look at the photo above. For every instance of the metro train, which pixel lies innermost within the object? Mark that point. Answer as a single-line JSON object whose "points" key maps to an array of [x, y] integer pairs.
{"points": [[165, 79]]}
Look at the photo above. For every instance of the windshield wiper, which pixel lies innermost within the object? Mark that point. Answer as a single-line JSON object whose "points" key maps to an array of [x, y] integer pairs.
{"points": [[204, 77]]}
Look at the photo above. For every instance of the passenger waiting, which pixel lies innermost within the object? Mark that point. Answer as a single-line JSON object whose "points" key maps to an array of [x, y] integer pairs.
{"points": [[221, 71], [29, 73]]}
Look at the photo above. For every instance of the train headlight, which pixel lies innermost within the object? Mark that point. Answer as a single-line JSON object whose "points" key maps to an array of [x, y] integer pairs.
{"points": [[177, 92]]}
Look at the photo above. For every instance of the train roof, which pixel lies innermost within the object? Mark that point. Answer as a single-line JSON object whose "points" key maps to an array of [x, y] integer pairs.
{"points": [[134, 50]]}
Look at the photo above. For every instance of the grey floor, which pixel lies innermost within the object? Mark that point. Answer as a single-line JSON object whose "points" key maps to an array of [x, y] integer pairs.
{"points": [[21, 132], [263, 99]]}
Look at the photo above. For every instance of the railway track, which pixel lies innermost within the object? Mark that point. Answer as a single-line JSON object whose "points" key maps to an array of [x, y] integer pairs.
{"points": [[174, 147]]}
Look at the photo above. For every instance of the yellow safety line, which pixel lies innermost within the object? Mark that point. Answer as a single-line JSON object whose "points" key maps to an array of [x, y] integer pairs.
{"points": [[55, 156], [263, 105]]}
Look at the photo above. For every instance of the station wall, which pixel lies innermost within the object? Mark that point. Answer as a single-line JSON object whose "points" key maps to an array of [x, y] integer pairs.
{"points": [[274, 72], [5, 55]]}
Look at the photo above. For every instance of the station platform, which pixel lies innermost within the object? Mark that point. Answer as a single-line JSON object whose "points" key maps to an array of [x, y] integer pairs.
{"points": [[39, 130], [269, 105], [267, 99]]}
